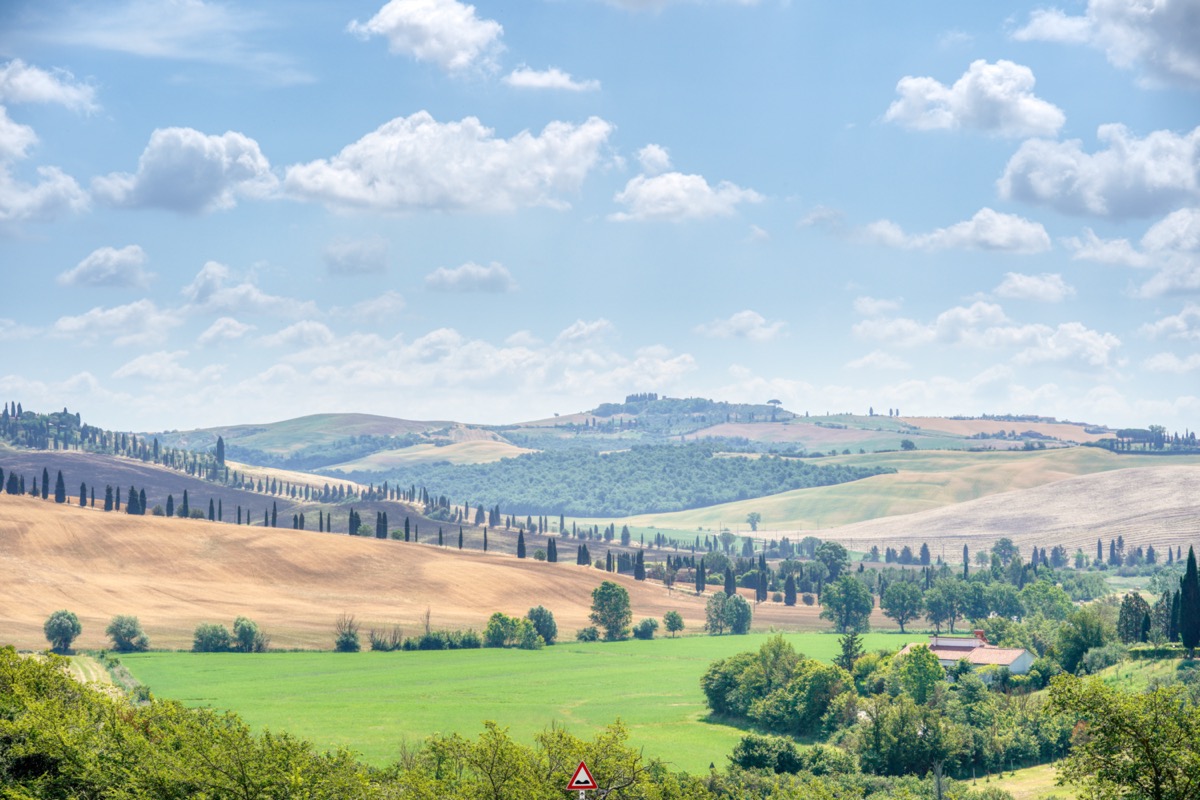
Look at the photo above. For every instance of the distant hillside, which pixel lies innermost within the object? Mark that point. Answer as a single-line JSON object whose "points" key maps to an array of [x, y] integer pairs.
{"points": [[644, 479]]}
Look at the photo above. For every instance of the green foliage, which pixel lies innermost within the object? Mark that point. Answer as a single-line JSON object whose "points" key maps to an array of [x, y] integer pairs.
{"points": [[345, 634], [1136, 745], [847, 604], [730, 613], [247, 638], [645, 629], [543, 623], [1084, 629], [588, 634], [126, 634], [903, 602], [1189, 606], [61, 629], [210, 637], [611, 611], [60, 739], [644, 479], [920, 672], [673, 622], [505, 631]]}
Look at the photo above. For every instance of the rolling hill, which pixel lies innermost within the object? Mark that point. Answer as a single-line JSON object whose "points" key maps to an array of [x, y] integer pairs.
{"points": [[174, 574]]}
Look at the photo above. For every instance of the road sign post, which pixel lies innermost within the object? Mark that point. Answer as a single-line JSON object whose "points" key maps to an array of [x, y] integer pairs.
{"points": [[582, 780]]}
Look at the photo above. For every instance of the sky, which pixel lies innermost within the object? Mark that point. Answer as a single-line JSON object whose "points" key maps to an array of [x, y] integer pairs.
{"points": [[220, 212]]}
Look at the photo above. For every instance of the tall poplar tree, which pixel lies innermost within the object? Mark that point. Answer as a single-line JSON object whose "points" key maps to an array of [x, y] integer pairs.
{"points": [[1189, 606]]}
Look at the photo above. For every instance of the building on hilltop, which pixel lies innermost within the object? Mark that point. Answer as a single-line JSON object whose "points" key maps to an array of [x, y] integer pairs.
{"points": [[978, 653]]}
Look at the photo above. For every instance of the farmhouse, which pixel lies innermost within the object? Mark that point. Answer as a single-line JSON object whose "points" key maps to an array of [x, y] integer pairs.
{"points": [[976, 650]]}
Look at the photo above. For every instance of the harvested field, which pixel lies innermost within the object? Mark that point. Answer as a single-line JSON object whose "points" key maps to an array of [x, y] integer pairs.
{"points": [[969, 427], [174, 574]]}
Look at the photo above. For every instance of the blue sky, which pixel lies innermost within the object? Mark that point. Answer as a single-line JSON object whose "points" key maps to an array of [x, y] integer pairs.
{"points": [[217, 212]]}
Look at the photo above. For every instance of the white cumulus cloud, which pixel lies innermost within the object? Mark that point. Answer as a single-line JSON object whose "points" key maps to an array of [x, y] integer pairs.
{"points": [[108, 266], [552, 78], [1171, 246], [1044, 288], [187, 171], [1131, 177], [1162, 36], [994, 98], [224, 329], [139, 322], [164, 367], [654, 159], [987, 230], [24, 83], [745, 324], [213, 290], [1169, 362], [1184, 325], [471, 277], [676, 197], [417, 162], [445, 32]]}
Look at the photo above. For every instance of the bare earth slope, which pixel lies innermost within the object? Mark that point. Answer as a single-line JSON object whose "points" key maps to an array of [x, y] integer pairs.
{"points": [[1145, 505], [174, 574]]}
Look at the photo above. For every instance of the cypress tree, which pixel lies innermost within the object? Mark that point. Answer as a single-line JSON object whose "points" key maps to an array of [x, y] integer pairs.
{"points": [[108, 498], [212, 511], [608, 563], [639, 567], [700, 577], [220, 450], [406, 530], [1173, 633], [60, 489], [239, 517], [142, 502], [1189, 606], [92, 496], [789, 590], [552, 551], [274, 512], [171, 506], [730, 582], [485, 539], [45, 484], [221, 512], [521, 544], [184, 511], [82, 495], [439, 535], [460, 537]]}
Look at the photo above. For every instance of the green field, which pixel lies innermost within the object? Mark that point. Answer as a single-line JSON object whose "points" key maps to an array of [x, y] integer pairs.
{"points": [[371, 702]]}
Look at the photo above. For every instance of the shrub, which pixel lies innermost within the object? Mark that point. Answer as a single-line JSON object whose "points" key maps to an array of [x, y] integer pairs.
{"points": [[766, 752], [61, 628], [807, 599], [469, 640], [126, 634], [588, 634], [387, 642], [247, 638], [645, 629], [501, 630], [777, 597], [1097, 658], [211, 638], [345, 639], [543, 623]]}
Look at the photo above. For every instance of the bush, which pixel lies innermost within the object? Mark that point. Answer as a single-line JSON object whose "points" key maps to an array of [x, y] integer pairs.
{"points": [[807, 599], [345, 639], [645, 629], [61, 629], [773, 753], [247, 638], [1098, 658], [588, 634], [777, 597], [126, 634], [211, 638], [386, 642], [543, 623]]}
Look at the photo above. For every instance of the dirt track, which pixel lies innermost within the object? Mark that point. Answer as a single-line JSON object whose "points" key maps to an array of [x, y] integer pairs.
{"points": [[174, 574]]}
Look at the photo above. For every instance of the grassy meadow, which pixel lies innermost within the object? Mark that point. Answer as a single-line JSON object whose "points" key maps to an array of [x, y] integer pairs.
{"points": [[372, 702]]}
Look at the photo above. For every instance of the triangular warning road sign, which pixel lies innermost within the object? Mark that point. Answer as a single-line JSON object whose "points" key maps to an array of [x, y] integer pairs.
{"points": [[582, 779]]}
